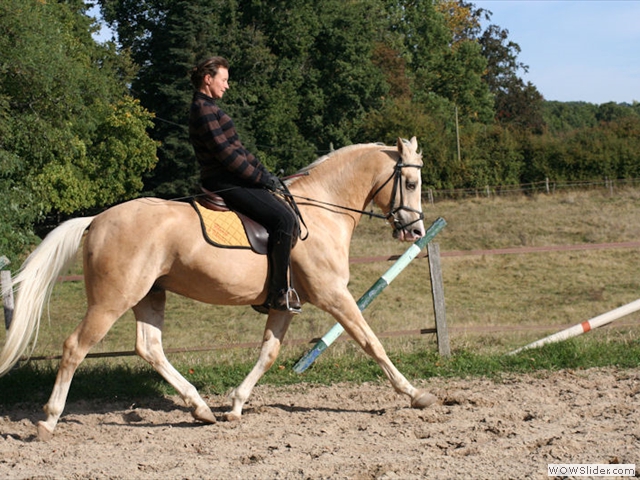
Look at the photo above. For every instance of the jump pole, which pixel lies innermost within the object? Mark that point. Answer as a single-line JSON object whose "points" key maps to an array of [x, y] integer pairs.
{"points": [[366, 299], [584, 327]]}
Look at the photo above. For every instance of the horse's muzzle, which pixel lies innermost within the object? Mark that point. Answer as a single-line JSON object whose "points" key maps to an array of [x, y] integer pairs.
{"points": [[409, 234]]}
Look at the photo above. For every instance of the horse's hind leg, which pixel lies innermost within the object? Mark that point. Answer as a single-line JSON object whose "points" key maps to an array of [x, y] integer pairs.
{"points": [[274, 332], [90, 331], [150, 319]]}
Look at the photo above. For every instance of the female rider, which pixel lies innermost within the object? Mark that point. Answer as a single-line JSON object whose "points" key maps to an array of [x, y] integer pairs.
{"points": [[230, 170]]}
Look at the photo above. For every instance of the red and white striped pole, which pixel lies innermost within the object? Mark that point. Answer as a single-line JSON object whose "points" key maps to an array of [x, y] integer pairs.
{"points": [[584, 327]]}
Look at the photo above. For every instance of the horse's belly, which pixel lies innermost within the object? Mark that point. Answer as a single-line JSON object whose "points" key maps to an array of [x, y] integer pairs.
{"points": [[219, 276]]}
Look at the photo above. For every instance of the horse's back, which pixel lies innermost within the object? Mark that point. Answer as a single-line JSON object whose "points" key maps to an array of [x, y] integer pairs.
{"points": [[126, 228], [149, 242], [144, 212]]}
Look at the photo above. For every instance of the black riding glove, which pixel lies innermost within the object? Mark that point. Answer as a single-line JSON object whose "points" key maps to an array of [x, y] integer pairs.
{"points": [[271, 182]]}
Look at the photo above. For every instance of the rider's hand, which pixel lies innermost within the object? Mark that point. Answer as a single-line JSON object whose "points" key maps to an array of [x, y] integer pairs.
{"points": [[271, 182]]}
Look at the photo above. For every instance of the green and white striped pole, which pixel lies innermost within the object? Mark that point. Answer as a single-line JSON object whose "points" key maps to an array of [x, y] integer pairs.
{"points": [[366, 299]]}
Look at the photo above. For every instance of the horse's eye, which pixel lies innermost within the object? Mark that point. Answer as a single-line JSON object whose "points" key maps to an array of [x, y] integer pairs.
{"points": [[411, 185]]}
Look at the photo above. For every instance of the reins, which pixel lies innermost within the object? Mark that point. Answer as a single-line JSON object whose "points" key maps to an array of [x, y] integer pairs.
{"points": [[334, 205], [396, 176], [294, 206]]}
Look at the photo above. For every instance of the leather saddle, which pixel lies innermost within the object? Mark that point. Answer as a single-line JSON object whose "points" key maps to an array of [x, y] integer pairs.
{"points": [[225, 228]]}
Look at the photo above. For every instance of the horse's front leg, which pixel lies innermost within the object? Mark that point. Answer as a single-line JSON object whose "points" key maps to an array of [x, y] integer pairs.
{"points": [[344, 308], [274, 332]]}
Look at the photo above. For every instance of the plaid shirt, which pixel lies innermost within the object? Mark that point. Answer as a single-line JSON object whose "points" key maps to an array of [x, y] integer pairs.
{"points": [[217, 146]]}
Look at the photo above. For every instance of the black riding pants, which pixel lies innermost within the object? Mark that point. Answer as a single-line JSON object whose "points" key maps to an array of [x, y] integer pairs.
{"points": [[262, 206]]}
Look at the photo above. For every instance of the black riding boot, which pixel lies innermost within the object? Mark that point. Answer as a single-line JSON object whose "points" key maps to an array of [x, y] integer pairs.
{"points": [[281, 296]]}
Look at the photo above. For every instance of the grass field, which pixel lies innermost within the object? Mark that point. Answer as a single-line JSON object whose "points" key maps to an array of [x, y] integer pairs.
{"points": [[494, 302]]}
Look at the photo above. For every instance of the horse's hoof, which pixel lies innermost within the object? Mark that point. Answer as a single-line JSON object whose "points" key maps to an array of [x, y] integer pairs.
{"points": [[204, 414], [44, 434], [232, 417], [423, 400]]}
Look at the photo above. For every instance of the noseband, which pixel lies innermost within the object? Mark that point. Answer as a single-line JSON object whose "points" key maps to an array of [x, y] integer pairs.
{"points": [[396, 176]]}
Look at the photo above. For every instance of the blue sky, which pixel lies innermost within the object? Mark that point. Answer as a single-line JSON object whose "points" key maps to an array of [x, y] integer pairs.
{"points": [[576, 50]]}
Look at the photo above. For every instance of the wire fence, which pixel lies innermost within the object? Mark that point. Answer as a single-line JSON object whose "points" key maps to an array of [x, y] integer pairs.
{"points": [[546, 186]]}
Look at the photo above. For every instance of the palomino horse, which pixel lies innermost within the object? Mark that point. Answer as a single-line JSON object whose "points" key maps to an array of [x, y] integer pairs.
{"points": [[136, 251]]}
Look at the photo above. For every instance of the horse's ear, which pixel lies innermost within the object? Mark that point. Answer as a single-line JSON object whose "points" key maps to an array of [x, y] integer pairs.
{"points": [[402, 145]]}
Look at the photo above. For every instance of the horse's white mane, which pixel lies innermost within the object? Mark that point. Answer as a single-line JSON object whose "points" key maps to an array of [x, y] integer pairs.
{"points": [[331, 154]]}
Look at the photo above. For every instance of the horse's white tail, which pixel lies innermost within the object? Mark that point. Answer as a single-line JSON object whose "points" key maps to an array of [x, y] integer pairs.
{"points": [[34, 283]]}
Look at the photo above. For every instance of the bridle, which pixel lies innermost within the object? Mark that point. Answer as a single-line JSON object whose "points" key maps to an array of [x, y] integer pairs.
{"points": [[396, 176]]}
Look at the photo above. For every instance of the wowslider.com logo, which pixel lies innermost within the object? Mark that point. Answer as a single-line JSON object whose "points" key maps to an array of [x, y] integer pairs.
{"points": [[591, 470]]}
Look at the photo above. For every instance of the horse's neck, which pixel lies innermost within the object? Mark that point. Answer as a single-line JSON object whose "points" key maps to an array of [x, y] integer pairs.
{"points": [[344, 188], [345, 182]]}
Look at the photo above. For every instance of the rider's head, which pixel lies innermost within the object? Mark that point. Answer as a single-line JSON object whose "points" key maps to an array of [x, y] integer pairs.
{"points": [[211, 76]]}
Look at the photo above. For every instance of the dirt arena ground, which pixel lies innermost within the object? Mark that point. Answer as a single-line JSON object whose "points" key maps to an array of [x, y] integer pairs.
{"points": [[481, 429]]}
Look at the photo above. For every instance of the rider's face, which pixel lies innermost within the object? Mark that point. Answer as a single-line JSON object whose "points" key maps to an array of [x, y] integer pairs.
{"points": [[216, 86]]}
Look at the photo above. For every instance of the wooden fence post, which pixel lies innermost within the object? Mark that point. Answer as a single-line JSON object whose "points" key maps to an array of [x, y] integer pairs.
{"points": [[437, 291]]}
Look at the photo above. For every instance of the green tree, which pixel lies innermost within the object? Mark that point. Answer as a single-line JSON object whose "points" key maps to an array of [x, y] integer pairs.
{"points": [[611, 111], [18, 210], [626, 147], [434, 126], [169, 51], [302, 74], [346, 77], [517, 104], [169, 37], [61, 97], [444, 60], [607, 150], [562, 117]]}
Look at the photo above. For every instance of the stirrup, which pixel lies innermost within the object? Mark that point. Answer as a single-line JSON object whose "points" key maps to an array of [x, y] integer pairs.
{"points": [[285, 301], [291, 302]]}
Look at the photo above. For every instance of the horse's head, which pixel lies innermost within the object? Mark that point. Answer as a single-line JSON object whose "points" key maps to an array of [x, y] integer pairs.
{"points": [[399, 196]]}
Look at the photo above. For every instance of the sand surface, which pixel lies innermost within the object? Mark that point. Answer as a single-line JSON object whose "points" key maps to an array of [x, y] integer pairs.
{"points": [[482, 428]]}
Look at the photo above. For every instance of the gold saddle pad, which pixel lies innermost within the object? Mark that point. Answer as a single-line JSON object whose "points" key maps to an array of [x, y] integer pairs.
{"points": [[227, 230]]}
